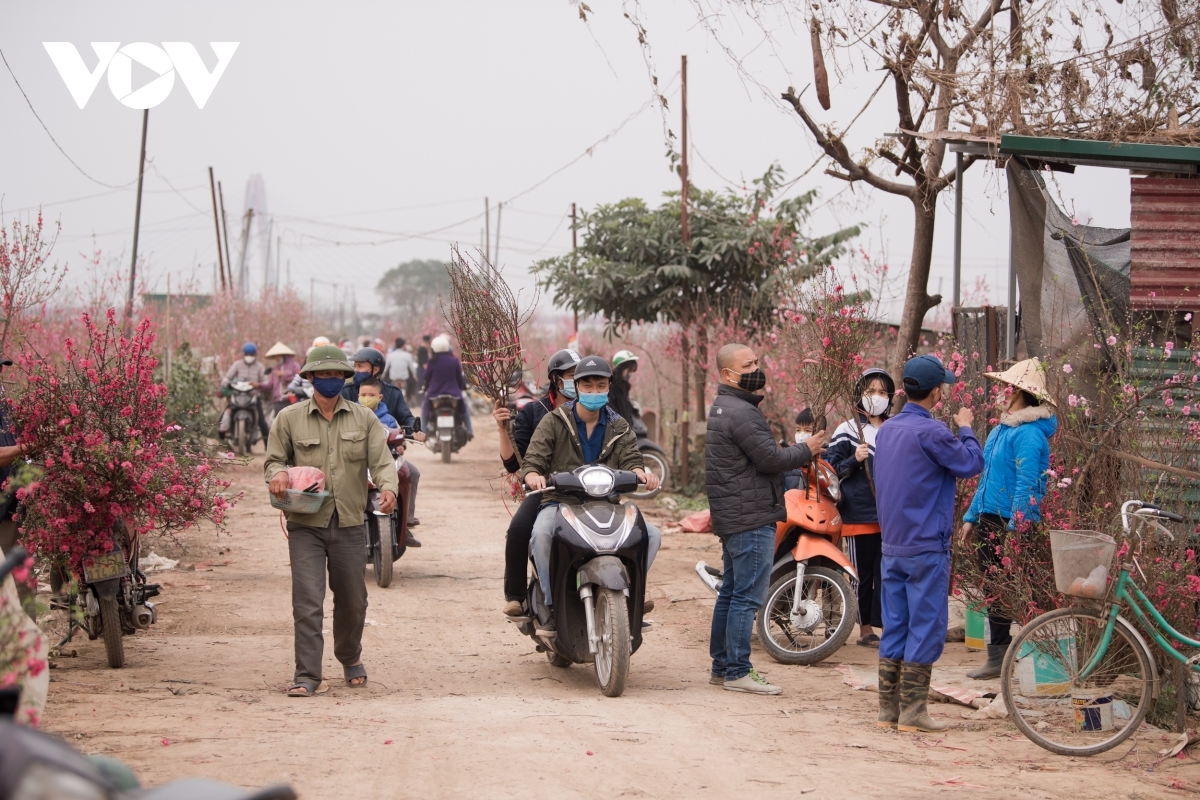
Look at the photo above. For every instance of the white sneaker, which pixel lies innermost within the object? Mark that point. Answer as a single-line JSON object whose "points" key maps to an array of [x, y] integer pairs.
{"points": [[752, 683]]}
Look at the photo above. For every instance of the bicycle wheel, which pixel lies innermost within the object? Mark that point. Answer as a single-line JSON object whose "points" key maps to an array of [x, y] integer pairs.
{"points": [[1065, 713]]}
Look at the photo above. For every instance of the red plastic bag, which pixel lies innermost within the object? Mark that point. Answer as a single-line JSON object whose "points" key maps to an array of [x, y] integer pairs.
{"points": [[302, 479], [700, 522]]}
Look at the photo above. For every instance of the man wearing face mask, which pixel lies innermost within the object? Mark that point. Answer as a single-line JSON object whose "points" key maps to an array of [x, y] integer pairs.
{"points": [[561, 371], [743, 476], [585, 431], [251, 370], [344, 440]]}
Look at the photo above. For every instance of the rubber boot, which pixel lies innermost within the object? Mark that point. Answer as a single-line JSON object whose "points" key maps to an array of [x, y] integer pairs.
{"points": [[993, 665], [914, 695], [889, 692]]}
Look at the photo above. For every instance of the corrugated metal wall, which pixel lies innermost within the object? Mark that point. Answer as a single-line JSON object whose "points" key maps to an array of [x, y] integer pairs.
{"points": [[1165, 243]]}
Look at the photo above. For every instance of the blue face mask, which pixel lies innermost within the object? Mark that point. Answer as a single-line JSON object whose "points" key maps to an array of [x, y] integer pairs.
{"points": [[359, 377], [568, 388], [594, 401], [328, 387]]}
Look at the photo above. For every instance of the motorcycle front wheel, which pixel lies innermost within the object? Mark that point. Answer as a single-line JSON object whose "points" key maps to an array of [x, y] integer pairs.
{"points": [[827, 606], [655, 462], [241, 437], [110, 621], [379, 529], [612, 655]]}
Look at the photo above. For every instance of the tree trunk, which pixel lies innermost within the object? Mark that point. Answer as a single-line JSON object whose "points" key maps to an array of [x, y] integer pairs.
{"points": [[917, 300], [685, 350], [701, 371]]}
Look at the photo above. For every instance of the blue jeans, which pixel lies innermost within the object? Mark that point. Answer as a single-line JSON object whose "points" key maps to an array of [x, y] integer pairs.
{"points": [[543, 532], [747, 558], [915, 607]]}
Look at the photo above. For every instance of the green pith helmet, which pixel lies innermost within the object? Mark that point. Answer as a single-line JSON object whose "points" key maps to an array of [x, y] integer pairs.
{"points": [[623, 357], [326, 357]]}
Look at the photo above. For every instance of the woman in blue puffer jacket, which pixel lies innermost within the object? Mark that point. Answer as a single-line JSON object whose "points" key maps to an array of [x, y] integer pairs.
{"points": [[1013, 483]]}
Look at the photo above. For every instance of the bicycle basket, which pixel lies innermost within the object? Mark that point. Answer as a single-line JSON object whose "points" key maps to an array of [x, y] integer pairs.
{"points": [[1081, 562], [300, 502]]}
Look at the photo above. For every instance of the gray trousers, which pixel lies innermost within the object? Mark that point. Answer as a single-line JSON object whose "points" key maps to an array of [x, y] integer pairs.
{"points": [[415, 475], [343, 553]]}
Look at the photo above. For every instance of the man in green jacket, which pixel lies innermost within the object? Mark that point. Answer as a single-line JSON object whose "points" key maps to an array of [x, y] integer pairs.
{"points": [[586, 431], [344, 440]]}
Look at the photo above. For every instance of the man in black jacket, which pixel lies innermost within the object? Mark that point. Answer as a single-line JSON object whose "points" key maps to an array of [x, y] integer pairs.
{"points": [[743, 478]]}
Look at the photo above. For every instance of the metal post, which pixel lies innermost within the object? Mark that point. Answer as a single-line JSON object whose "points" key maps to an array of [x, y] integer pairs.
{"points": [[958, 192], [137, 223], [685, 457], [487, 230], [1011, 338], [225, 235], [167, 338], [212, 188]]}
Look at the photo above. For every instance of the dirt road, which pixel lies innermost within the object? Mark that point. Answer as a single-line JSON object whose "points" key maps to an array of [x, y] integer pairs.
{"points": [[460, 705]]}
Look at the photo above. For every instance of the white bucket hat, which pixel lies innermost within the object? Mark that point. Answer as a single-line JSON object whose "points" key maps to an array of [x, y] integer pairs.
{"points": [[1028, 375]]}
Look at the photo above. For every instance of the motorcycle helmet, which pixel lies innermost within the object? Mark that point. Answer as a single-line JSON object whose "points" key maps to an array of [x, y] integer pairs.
{"points": [[440, 344], [593, 366], [320, 341], [626, 357], [561, 361], [249, 349], [865, 379], [369, 355]]}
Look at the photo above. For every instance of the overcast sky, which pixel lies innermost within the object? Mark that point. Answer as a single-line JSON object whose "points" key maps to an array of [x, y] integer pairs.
{"points": [[379, 128]]}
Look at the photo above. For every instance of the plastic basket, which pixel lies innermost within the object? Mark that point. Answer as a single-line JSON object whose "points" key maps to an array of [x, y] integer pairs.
{"points": [[1081, 562], [299, 502]]}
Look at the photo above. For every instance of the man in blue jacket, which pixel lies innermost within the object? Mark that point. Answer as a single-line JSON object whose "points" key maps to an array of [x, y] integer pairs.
{"points": [[917, 460]]}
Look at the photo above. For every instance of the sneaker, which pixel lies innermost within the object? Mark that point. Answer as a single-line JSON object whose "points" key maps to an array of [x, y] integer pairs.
{"points": [[647, 606], [513, 608], [752, 683]]}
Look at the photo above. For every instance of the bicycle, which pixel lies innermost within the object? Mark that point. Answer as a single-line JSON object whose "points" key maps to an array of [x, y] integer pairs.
{"points": [[1078, 681]]}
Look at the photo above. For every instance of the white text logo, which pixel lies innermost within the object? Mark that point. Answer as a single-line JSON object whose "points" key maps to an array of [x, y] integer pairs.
{"points": [[164, 61]]}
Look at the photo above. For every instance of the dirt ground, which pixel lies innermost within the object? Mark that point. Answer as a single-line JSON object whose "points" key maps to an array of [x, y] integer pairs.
{"points": [[459, 704]]}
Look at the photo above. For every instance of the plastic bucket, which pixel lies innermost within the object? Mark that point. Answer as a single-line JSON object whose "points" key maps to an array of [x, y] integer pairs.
{"points": [[1040, 674], [1093, 710], [299, 502], [976, 624]]}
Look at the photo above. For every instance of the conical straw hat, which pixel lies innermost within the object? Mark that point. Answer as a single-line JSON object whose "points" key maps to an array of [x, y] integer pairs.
{"points": [[279, 349], [1028, 375]]}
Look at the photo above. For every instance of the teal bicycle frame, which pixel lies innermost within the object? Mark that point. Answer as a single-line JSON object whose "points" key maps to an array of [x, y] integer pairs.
{"points": [[1140, 605]]}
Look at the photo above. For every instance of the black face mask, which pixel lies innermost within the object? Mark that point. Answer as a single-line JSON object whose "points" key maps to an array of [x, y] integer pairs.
{"points": [[752, 381]]}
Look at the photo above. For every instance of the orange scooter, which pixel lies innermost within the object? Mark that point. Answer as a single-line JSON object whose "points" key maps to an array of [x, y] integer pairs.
{"points": [[808, 626]]}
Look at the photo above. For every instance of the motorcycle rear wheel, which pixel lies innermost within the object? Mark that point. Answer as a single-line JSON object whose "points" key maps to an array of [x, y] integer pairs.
{"points": [[829, 592], [241, 437], [382, 535], [655, 462], [612, 655], [110, 621], [445, 452]]}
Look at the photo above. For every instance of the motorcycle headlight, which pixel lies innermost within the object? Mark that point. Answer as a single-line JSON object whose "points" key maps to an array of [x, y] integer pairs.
{"points": [[597, 482], [829, 480]]}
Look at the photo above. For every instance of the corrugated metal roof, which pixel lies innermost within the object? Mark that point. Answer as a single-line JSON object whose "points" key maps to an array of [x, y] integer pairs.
{"points": [[1150, 157], [1165, 243]]}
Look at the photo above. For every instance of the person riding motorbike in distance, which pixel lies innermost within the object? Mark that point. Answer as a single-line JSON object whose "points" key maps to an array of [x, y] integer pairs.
{"points": [[248, 368], [369, 363], [585, 431], [561, 371]]}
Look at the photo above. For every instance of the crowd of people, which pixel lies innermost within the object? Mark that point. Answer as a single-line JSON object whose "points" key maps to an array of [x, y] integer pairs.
{"points": [[897, 465]]}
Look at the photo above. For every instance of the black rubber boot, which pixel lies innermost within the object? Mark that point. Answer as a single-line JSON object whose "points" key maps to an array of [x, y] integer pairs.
{"points": [[991, 668]]}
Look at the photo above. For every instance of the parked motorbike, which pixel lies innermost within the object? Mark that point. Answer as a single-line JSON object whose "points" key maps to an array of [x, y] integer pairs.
{"points": [[387, 534], [805, 627], [448, 431], [243, 420], [598, 574], [654, 457], [111, 599]]}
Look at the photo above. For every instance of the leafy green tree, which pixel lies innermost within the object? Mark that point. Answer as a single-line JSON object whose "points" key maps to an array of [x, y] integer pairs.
{"points": [[414, 287], [745, 251], [189, 396]]}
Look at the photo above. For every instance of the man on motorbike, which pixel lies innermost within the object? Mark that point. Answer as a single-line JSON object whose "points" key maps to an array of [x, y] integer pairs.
{"points": [[561, 370], [369, 363], [444, 376], [624, 364], [584, 431], [249, 369]]}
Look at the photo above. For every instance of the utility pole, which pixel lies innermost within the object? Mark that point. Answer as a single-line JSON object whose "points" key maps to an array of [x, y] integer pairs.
{"points": [[278, 244], [487, 230], [167, 337], [312, 292], [137, 223], [684, 432], [242, 276], [212, 188], [267, 259], [225, 234], [574, 246], [496, 255]]}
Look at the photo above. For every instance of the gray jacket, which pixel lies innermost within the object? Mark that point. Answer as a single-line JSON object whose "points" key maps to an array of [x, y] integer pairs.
{"points": [[744, 465]]}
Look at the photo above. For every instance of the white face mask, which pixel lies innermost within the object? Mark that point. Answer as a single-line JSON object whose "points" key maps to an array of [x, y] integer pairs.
{"points": [[874, 405], [800, 437], [248, 359]]}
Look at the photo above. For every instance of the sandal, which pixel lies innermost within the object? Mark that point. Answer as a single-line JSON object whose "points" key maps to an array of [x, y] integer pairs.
{"points": [[353, 672], [870, 640], [307, 689]]}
